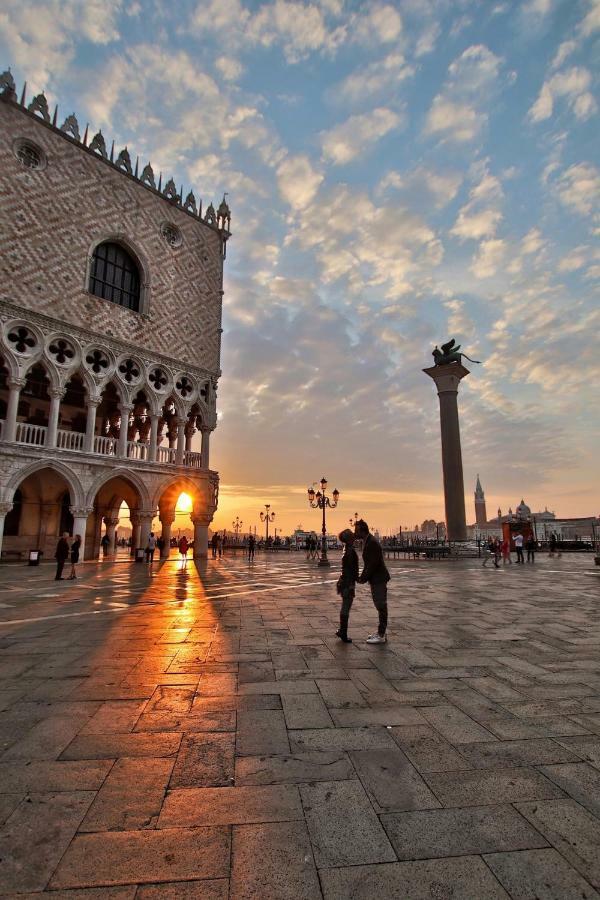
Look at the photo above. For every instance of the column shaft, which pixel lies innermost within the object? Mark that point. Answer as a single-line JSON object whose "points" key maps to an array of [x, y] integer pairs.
{"points": [[90, 426], [10, 424], [55, 398], [454, 489], [200, 539], [180, 442], [153, 438], [123, 429], [205, 449]]}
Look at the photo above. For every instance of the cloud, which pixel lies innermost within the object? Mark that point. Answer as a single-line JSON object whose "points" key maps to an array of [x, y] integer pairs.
{"points": [[564, 51], [298, 181], [572, 84], [41, 38], [442, 186], [351, 138], [491, 253], [481, 215], [579, 188], [591, 21], [382, 75], [457, 112], [229, 69]]}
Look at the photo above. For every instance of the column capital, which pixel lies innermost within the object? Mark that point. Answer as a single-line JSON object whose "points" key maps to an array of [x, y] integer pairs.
{"points": [[447, 378], [145, 515], [5, 507], [14, 383], [94, 400], [57, 393], [81, 512], [201, 520], [110, 520], [166, 516]]}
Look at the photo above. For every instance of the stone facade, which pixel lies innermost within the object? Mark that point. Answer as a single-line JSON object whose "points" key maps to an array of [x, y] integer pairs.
{"points": [[99, 403]]}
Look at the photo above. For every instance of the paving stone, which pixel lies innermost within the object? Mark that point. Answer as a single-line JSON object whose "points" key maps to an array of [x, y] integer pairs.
{"points": [[580, 781], [112, 746], [456, 832], [47, 739], [305, 711], [130, 857], [186, 890], [131, 797], [388, 716], [343, 827], [317, 765], [547, 726], [204, 760], [391, 781], [495, 754], [115, 716], [8, 804], [467, 878], [223, 720], [54, 776], [572, 830], [261, 732], [273, 861], [124, 892], [280, 687], [176, 700], [188, 807], [340, 694], [35, 837], [340, 739], [455, 725], [539, 875], [488, 787], [427, 750]]}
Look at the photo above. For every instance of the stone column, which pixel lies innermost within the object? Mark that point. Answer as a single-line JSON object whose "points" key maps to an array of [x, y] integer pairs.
{"points": [[135, 532], [154, 417], [5, 508], [200, 536], [145, 519], [56, 395], [447, 379], [180, 442], [111, 531], [205, 449], [189, 434], [10, 424], [167, 517], [90, 425], [123, 429], [80, 517]]}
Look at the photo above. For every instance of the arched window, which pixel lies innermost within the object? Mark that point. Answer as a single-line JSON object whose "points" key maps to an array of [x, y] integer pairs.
{"points": [[114, 276]]}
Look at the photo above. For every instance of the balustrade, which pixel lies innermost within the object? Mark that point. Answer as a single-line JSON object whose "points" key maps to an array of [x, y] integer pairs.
{"points": [[36, 436]]}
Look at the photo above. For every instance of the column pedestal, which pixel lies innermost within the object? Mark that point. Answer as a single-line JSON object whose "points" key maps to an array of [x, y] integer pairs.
{"points": [[447, 378]]}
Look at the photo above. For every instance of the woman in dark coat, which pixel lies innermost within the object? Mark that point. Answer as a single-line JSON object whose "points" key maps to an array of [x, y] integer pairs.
{"points": [[347, 583], [75, 547]]}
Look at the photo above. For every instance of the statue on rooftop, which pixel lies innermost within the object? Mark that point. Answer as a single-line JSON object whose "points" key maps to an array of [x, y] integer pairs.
{"points": [[450, 353]]}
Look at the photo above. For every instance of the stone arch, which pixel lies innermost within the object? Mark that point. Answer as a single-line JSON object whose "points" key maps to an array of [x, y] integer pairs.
{"points": [[126, 474], [168, 491], [75, 487], [51, 370], [139, 258]]}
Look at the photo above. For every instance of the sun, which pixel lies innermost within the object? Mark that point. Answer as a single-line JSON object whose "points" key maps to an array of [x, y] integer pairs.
{"points": [[185, 503]]}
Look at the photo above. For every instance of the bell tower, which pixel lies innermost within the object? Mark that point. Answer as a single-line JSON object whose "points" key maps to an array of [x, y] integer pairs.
{"points": [[480, 513]]}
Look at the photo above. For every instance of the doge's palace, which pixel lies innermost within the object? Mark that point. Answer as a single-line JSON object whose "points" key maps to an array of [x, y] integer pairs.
{"points": [[111, 287]]}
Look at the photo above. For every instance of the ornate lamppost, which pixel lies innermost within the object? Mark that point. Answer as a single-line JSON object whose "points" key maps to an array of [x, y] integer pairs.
{"points": [[237, 527], [267, 517], [320, 500]]}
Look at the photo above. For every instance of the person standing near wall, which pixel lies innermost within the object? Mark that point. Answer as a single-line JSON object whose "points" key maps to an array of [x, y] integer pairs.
{"points": [[61, 555]]}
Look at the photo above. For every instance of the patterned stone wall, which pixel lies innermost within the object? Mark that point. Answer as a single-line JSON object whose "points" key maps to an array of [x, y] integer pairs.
{"points": [[52, 217]]}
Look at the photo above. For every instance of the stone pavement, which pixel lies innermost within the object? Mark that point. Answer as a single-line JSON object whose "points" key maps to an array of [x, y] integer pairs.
{"points": [[178, 735]]}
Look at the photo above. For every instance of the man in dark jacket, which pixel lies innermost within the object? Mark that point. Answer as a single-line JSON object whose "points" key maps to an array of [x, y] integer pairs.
{"points": [[374, 573], [61, 555]]}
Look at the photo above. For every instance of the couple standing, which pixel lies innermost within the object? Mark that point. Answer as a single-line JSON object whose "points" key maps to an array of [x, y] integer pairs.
{"points": [[374, 573]]}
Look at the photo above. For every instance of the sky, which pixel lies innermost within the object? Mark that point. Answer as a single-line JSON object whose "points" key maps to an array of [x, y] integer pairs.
{"points": [[398, 173]]}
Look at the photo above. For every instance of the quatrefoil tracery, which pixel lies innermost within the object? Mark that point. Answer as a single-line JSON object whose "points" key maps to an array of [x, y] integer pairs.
{"points": [[97, 361], [22, 339], [184, 386], [158, 378], [129, 369], [62, 351]]}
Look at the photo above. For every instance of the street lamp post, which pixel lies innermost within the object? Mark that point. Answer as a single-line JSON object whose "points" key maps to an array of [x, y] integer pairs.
{"points": [[237, 527], [321, 501], [267, 517]]}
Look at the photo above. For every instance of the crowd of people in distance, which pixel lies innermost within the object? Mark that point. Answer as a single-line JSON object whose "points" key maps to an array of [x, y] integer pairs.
{"points": [[496, 550]]}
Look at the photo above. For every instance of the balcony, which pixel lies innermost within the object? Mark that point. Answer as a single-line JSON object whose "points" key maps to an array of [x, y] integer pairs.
{"points": [[74, 441]]}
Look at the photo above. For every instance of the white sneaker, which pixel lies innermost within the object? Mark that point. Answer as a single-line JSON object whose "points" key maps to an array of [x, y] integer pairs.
{"points": [[376, 639]]}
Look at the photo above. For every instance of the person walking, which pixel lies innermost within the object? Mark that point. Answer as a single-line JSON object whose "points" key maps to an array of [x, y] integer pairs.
{"points": [[219, 545], [150, 548], [75, 548], [347, 583], [214, 541], [61, 555], [489, 552], [506, 553], [105, 544], [251, 547], [375, 574], [183, 549], [518, 539], [531, 547]]}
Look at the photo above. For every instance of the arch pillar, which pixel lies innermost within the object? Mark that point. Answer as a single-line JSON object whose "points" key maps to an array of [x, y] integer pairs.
{"points": [[201, 524], [10, 424], [125, 410], [145, 517], [5, 508], [111, 531], [167, 517], [56, 395], [80, 519]]}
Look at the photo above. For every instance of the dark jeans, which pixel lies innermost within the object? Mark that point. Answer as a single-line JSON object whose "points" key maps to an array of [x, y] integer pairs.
{"points": [[347, 600], [149, 555], [251, 553], [520, 555], [379, 595], [531, 556], [60, 564]]}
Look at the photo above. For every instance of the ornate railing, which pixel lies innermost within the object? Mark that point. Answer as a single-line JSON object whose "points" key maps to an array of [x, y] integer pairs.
{"points": [[36, 435]]}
